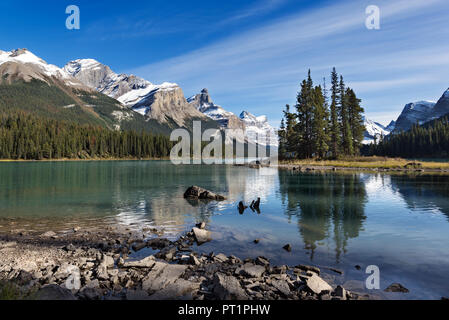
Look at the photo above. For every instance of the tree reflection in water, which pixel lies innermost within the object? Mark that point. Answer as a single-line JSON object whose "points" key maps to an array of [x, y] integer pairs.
{"points": [[328, 207]]}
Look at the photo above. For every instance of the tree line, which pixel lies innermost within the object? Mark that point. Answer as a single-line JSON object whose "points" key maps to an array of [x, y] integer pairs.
{"points": [[429, 140], [27, 137], [321, 128]]}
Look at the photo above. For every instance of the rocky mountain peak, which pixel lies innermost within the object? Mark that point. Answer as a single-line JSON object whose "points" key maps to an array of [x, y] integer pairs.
{"points": [[101, 78], [22, 64], [417, 112]]}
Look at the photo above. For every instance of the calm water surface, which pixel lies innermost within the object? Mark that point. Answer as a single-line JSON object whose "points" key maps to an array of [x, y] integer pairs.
{"points": [[399, 223]]}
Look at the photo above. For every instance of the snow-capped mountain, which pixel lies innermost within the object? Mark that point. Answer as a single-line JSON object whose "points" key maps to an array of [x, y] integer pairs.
{"points": [[205, 105], [259, 130], [256, 129], [58, 99], [103, 79], [418, 112], [374, 131], [21, 64], [164, 103]]}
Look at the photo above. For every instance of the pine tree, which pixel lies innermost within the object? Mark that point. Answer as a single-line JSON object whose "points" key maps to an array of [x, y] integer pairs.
{"points": [[334, 125], [320, 129], [291, 136], [304, 115], [282, 139], [346, 134], [356, 123]]}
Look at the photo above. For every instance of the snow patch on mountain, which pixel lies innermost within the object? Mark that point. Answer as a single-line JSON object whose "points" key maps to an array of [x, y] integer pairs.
{"points": [[374, 131], [259, 130], [101, 78], [133, 97], [203, 103], [35, 67], [418, 112]]}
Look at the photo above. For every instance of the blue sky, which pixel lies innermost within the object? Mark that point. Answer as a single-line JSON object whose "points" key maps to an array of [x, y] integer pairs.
{"points": [[251, 55]]}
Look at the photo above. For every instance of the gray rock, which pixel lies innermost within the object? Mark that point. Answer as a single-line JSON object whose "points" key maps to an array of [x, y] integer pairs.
{"points": [[306, 268], [317, 285], [202, 236], [54, 292], [195, 192], [221, 258], [179, 290], [262, 261], [148, 262], [228, 288], [282, 286], [161, 275], [107, 261], [251, 270]]}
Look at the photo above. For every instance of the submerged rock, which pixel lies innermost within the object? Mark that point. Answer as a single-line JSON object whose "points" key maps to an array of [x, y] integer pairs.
{"points": [[195, 192], [396, 287]]}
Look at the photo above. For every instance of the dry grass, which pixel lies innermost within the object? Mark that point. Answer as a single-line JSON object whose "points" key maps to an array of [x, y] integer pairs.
{"points": [[368, 162]]}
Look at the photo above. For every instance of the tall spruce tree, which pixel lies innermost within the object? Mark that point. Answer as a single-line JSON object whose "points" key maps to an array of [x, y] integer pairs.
{"points": [[304, 115], [291, 136], [346, 133], [320, 128], [356, 123], [334, 124], [282, 139]]}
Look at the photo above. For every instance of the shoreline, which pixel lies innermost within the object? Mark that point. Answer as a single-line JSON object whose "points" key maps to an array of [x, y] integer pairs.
{"points": [[327, 168], [96, 265], [402, 166]]}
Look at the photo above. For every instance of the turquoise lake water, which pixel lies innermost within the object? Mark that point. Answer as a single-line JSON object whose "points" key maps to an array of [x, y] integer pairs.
{"points": [[399, 223]]}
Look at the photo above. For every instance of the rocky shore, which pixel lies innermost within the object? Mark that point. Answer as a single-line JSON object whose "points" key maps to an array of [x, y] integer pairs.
{"points": [[96, 265]]}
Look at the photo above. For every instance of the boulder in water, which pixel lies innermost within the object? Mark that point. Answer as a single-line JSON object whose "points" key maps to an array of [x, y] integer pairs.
{"points": [[195, 192]]}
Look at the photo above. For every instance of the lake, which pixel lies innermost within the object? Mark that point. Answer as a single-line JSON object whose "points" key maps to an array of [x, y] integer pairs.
{"points": [[399, 223]]}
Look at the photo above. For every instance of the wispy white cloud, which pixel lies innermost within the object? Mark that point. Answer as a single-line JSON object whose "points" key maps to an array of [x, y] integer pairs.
{"points": [[259, 8], [261, 68]]}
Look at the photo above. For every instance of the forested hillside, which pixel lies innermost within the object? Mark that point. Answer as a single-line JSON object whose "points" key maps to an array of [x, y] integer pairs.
{"points": [[60, 102], [29, 137], [428, 141]]}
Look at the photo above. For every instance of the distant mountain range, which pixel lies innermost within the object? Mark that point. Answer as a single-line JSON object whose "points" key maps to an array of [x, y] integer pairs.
{"points": [[419, 112], [87, 91]]}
